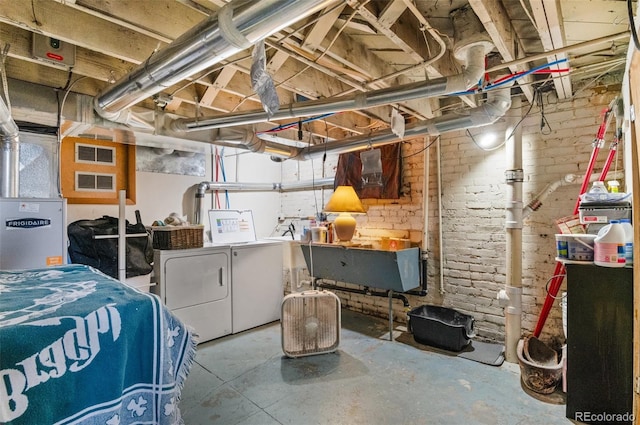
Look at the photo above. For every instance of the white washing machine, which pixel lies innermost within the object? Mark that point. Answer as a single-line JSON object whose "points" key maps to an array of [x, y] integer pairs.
{"points": [[257, 282], [225, 287], [256, 269], [195, 284]]}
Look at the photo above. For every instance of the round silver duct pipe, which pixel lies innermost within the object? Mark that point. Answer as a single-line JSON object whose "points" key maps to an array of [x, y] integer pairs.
{"points": [[473, 54], [205, 187], [498, 103], [370, 99], [236, 27], [9, 154]]}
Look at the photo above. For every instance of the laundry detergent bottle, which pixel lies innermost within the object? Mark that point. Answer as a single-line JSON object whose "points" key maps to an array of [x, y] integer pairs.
{"points": [[609, 245], [628, 239]]}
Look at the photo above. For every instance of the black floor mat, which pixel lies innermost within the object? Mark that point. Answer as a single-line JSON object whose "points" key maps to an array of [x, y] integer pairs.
{"points": [[478, 351], [484, 352]]}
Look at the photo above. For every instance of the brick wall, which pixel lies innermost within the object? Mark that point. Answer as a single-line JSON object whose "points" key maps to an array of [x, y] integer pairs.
{"points": [[473, 195]]}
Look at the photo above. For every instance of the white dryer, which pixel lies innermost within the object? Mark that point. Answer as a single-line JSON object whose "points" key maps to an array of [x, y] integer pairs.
{"points": [[195, 284]]}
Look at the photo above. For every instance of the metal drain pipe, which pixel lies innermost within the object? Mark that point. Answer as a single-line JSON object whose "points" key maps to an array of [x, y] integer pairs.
{"points": [[237, 26], [365, 291], [9, 154]]}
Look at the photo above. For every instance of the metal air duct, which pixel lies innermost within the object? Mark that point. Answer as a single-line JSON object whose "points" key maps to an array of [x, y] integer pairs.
{"points": [[9, 154], [498, 103], [236, 27], [205, 187], [472, 53]]}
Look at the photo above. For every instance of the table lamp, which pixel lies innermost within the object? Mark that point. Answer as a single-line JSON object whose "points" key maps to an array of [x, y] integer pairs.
{"points": [[344, 201]]}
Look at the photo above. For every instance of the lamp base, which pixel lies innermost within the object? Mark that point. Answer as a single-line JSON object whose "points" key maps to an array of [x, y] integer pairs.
{"points": [[345, 227]]}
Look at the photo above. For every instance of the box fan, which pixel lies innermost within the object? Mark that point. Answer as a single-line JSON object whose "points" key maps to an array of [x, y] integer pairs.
{"points": [[310, 323]]}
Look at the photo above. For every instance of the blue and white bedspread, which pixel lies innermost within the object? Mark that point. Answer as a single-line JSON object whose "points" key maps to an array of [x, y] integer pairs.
{"points": [[78, 347]]}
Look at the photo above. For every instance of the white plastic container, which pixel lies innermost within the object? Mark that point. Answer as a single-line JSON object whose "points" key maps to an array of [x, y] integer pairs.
{"points": [[319, 234], [628, 240], [609, 245], [575, 246]]}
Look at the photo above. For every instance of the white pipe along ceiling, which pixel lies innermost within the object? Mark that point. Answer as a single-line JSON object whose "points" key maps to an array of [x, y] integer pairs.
{"points": [[205, 187]]}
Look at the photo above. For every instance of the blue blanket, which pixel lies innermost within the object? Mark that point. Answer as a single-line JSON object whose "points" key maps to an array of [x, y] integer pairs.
{"points": [[78, 347]]}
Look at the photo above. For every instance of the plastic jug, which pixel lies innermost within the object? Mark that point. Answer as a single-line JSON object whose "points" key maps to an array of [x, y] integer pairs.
{"points": [[628, 240], [609, 245], [598, 187]]}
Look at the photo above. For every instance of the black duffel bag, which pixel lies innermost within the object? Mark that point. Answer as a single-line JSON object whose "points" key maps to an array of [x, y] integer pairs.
{"points": [[102, 254]]}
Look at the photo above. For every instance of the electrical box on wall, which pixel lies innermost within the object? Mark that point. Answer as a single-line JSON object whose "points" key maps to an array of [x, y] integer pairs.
{"points": [[53, 50]]}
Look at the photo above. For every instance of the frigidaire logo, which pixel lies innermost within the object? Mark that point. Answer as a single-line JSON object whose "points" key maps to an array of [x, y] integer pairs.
{"points": [[27, 223]]}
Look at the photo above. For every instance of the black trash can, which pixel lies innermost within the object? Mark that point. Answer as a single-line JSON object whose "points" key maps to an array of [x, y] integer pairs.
{"points": [[441, 327]]}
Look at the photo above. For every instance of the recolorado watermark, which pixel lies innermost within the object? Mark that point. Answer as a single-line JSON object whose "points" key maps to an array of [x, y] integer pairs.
{"points": [[603, 417]]}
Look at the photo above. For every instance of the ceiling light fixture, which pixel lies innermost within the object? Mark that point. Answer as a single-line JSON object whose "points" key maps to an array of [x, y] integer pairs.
{"points": [[487, 141]]}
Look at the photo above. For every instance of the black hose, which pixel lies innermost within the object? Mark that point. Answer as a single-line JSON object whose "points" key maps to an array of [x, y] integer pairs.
{"points": [[422, 292], [632, 23], [365, 291]]}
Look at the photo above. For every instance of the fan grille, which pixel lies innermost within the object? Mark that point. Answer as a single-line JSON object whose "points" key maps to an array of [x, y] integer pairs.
{"points": [[310, 323]]}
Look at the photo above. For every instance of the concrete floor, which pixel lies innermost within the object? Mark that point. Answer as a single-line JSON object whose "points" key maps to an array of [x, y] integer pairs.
{"points": [[245, 379]]}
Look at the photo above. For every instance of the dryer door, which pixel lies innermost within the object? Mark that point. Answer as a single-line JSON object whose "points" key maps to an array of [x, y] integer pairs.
{"points": [[196, 279]]}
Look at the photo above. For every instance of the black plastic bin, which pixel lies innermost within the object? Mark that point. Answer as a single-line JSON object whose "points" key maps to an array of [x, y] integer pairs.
{"points": [[441, 327]]}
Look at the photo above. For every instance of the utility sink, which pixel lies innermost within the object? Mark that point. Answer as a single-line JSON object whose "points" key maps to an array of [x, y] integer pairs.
{"points": [[395, 270]]}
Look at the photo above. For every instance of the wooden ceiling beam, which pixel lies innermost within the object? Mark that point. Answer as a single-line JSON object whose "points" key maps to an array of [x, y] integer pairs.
{"points": [[496, 21], [392, 12], [44, 18], [88, 63], [551, 30], [156, 19], [321, 28]]}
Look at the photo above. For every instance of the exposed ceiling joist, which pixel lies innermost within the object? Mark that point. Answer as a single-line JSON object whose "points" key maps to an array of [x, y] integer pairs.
{"points": [[351, 46], [117, 41], [496, 21], [548, 18]]}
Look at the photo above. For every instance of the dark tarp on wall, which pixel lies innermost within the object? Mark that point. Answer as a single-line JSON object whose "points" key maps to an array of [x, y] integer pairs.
{"points": [[349, 173]]}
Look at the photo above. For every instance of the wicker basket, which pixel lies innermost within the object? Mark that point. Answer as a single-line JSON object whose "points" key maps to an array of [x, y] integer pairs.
{"points": [[177, 237]]}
